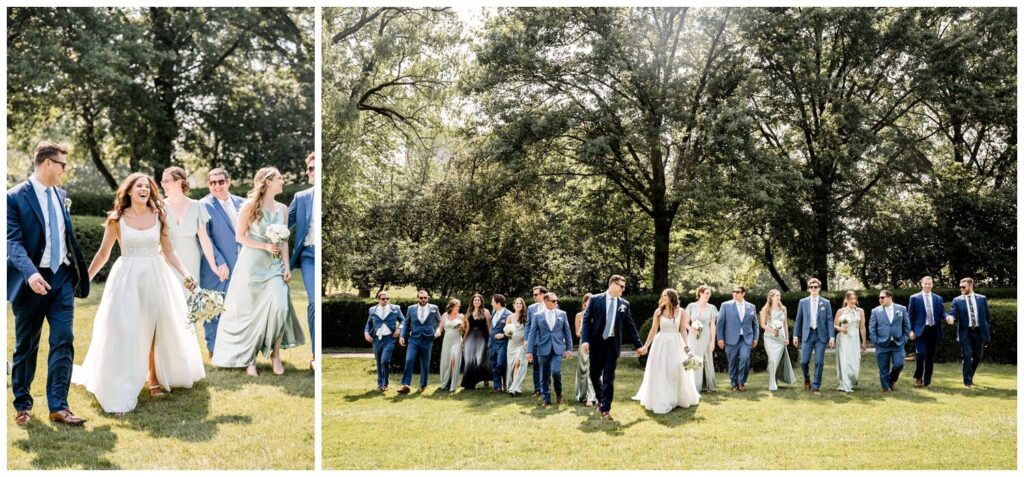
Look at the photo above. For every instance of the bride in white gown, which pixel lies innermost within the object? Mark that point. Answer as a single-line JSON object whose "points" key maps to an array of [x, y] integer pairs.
{"points": [[666, 384], [139, 332]]}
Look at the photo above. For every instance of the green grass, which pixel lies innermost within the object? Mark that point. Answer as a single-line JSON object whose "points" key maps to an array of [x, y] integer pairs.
{"points": [[943, 427], [226, 421]]}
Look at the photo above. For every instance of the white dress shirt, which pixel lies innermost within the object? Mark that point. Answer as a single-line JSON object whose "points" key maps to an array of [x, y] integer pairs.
{"points": [[229, 207], [313, 233], [814, 312], [550, 317], [58, 207], [889, 313]]}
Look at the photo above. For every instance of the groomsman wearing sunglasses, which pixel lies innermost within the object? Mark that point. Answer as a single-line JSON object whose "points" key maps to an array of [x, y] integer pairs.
{"points": [[813, 327], [970, 314]]}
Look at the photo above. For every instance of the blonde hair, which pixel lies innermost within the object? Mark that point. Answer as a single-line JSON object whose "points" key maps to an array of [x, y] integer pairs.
{"points": [[768, 302], [259, 191], [700, 290]]}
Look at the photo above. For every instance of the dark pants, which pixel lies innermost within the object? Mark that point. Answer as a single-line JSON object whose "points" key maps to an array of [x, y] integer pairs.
{"points": [[550, 365], [383, 348], [813, 343], [536, 377], [604, 357], [57, 307], [926, 346], [739, 362], [497, 355], [307, 263], [890, 363], [417, 355], [972, 349]]}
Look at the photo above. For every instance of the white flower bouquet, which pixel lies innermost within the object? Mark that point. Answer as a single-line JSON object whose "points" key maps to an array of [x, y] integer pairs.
{"points": [[697, 326], [203, 305], [277, 233], [509, 329], [775, 325], [692, 363]]}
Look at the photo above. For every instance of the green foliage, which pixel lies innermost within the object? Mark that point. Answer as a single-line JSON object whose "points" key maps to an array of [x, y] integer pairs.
{"points": [[139, 89], [89, 232]]}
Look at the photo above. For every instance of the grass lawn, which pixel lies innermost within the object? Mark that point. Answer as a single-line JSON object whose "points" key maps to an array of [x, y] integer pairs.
{"points": [[226, 421], [943, 427]]}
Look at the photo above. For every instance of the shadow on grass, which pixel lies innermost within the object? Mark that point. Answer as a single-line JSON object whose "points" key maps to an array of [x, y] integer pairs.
{"points": [[55, 446], [294, 381]]}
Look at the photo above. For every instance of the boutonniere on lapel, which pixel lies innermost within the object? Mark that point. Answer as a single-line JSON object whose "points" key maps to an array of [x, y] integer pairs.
{"points": [[899, 314], [67, 204], [821, 307], [622, 308]]}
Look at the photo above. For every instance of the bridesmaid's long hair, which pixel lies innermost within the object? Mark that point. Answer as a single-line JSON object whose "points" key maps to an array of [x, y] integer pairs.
{"points": [[586, 300], [474, 312], [846, 298], [451, 305], [767, 308], [123, 200], [259, 191], [671, 305]]}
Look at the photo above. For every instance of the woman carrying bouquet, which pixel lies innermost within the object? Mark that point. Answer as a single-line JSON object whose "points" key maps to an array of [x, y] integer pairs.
{"points": [[851, 341], [703, 323], [453, 327], [666, 383], [774, 323], [258, 313]]}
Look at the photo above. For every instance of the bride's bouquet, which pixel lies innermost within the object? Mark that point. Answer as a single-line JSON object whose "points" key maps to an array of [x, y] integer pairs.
{"points": [[203, 305], [692, 363], [775, 325], [277, 233]]}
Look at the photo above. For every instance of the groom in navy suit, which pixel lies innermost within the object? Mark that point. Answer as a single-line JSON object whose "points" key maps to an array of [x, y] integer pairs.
{"points": [[813, 327], [889, 330], [738, 331], [606, 318], [307, 236], [45, 272], [552, 341], [222, 207], [926, 311], [970, 313]]}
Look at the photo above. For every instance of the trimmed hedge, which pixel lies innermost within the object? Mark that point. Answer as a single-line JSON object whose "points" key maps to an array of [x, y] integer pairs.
{"points": [[98, 203], [344, 319], [89, 231]]}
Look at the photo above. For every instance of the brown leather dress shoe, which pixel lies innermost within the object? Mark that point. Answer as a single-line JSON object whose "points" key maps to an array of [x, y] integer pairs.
{"points": [[807, 384], [561, 400], [918, 383], [23, 417], [66, 417], [404, 390], [743, 387], [606, 416]]}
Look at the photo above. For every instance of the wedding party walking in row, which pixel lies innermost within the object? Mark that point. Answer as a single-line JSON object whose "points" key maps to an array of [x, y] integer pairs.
{"points": [[680, 345]]}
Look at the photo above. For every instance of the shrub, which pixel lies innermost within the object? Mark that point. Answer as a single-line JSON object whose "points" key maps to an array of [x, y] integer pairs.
{"points": [[89, 231]]}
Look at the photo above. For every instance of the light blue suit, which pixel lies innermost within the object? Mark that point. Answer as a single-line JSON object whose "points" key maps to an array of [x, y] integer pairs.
{"points": [[300, 215], [547, 346], [419, 341], [383, 346], [889, 339], [813, 340], [225, 252], [739, 337]]}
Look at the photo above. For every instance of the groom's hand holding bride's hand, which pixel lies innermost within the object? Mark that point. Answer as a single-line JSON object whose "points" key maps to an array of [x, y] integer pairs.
{"points": [[641, 350], [37, 284]]}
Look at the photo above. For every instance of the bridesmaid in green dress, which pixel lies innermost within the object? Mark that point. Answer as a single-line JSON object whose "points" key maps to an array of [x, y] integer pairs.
{"points": [[258, 313], [702, 342], [186, 221], [451, 346], [515, 329], [851, 341], [775, 326], [584, 388]]}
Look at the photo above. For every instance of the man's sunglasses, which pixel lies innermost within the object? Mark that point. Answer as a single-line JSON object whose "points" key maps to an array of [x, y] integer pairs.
{"points": [[218, 182]]}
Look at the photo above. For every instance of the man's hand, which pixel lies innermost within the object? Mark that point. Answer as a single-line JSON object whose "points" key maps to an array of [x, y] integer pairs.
{"points": [[223, 272], [529, 357], [796, 342], [949, 319], [753, 344], [567, 355], [37, 284], [912, 336], [831, 343], [401, 341], [721, 344], [368, 338], [585, 347]]}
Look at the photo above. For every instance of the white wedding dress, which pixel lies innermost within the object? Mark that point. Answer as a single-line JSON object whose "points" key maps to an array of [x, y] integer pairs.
{"points": [[666, 384], [142, 304]]}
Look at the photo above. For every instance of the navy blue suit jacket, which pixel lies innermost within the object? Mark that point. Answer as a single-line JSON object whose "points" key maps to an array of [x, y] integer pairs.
{"points": [[300, 214], [26, 240], [919, 314], [594, 319]]}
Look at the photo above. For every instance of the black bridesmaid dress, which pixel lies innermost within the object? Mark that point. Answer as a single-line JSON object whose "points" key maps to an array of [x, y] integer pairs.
{"points": [[475, 366]]}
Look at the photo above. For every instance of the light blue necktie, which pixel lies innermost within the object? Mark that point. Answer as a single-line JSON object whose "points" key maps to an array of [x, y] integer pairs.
{"points": [[608, 320], [54, 234]]}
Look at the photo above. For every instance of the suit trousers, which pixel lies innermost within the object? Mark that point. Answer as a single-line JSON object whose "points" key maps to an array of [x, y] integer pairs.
{"points": [[57, 307], [814, 344], [890, 363], [926, 345], [973, 349]]}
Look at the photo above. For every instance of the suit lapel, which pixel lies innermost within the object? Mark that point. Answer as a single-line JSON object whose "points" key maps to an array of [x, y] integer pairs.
{"points": [[29, 193], [220, 208]]}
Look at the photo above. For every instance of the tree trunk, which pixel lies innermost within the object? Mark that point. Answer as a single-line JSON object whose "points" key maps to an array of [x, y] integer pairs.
{"points": [[92, 144], [769, 262], [364, 293], [165, 82], [662, 234], [820, 243]]}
